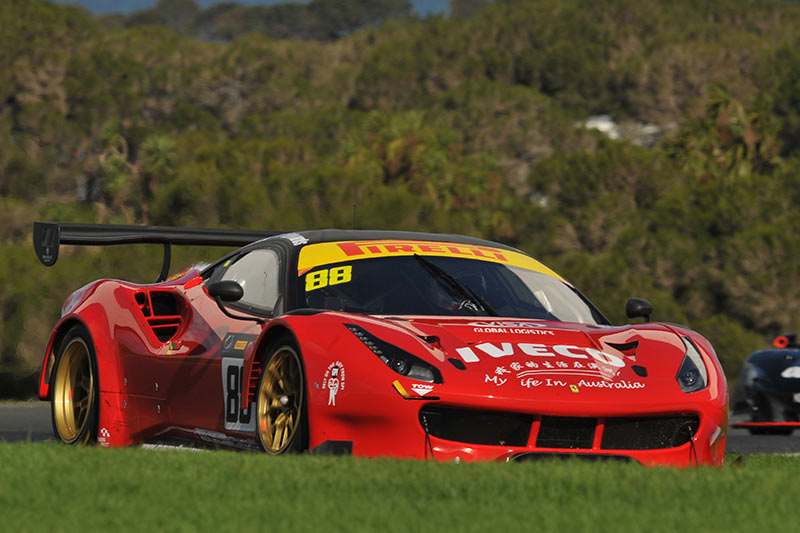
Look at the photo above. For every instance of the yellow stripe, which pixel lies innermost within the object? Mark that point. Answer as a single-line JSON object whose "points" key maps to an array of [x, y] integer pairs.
{"points": [[326, 253]]}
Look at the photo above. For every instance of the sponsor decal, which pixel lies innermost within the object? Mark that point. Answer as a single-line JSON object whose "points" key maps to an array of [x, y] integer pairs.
{"points": [[593, 368], [560, 367], [104, 438], [421, 388], [351, 249], [532, 383], [505, 324], [603, 360], [236, 419], [497, 380], [792, 372], [178, 447], [334, 381], [512, 331], [326, 253], [295, 238], [622, 384], [235, 344]]}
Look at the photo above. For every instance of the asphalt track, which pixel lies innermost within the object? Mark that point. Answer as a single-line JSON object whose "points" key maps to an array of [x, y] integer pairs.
{"points": [[30, 422]]}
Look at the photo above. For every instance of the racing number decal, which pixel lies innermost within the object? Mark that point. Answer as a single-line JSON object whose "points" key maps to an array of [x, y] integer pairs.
{"points": [[323, 278], [233, 382], [235, 419]]}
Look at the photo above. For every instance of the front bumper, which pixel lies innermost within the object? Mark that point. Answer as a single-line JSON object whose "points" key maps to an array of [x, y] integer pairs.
{"points": [[703, 443], [396, 428]]}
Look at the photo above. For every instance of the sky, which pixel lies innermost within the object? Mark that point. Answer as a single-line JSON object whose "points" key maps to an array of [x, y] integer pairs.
{"points": [[423, 7]]}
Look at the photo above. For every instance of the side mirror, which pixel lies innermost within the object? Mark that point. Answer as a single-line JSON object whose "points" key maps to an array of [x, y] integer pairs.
{"points": [[226, 291], [229, 291], [639, 308]]}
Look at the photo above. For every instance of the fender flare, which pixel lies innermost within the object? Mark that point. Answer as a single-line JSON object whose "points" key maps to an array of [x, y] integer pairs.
{"points": [[274, 329], [95, 321]]}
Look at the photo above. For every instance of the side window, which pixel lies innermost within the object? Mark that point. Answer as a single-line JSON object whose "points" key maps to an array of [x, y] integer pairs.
{"points": [[258, 272]]}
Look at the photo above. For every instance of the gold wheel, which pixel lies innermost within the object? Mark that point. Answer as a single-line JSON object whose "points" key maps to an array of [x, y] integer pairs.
{"points": [[74, 393], [280, 401]]}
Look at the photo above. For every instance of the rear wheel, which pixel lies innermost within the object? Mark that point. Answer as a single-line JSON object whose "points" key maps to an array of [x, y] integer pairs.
{"points": [[281, 404], [73, 389]]}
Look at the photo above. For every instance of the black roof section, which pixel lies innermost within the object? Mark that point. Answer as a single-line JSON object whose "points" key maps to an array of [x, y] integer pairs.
{"points": [[333, 235]]}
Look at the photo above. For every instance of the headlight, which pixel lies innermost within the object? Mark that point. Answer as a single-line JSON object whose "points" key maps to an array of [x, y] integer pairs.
{"points": [[692, 375], [397, 359]]}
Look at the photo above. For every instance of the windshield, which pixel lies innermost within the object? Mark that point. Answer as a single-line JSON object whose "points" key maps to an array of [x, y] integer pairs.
{"points": [[407, 285]]}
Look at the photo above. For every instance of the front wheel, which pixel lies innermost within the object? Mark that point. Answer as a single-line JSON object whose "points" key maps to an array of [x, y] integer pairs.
{"points": [[74, 396], [281, 405]]}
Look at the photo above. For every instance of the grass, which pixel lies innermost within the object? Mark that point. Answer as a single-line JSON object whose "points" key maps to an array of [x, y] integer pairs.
{"points": [[47, 486]]}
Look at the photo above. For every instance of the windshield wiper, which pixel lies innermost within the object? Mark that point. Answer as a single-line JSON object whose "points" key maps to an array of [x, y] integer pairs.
{"points": [[452, 284]]}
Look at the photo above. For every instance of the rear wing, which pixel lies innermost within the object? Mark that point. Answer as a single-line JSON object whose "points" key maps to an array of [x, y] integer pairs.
{"points": [[48, 236]]}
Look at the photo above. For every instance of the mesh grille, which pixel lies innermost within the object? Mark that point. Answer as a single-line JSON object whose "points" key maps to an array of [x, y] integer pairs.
{"points": [[566, 432], [477, 427], [648, 433], [558, 432]]}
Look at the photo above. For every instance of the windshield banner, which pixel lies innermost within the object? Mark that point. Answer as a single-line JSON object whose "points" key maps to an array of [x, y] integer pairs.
{"points": [[326, 253]]}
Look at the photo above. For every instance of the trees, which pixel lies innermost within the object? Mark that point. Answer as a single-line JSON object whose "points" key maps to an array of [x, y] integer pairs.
{"points": [[463, 124], [787, 100], [321, 20]]}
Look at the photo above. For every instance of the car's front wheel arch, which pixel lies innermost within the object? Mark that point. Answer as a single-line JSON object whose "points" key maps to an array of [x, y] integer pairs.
{"points": [[281, 395]]}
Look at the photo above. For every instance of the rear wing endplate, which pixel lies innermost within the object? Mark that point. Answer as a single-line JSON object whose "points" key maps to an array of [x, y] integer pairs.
{"points": [[48, 236]]}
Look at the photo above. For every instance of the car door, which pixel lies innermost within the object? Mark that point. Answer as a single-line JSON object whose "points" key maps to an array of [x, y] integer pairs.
{"points": [[207, 382]]}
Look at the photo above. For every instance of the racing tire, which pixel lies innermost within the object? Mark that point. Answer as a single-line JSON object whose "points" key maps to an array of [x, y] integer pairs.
{"points": [[74, 391], [281, 405]]}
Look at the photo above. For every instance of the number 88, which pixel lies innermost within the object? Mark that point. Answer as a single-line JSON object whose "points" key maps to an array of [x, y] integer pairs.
{"points": [[323, 278]]}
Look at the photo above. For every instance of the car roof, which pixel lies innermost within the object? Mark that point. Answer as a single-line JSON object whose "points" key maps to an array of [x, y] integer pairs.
{"points": [[334, 235]]}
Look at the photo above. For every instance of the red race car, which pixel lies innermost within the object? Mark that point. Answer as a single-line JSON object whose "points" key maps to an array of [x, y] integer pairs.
{"points": [[372, 343]]}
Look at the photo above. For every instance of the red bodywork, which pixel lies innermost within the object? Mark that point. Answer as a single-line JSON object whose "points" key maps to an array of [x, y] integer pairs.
{"points": [[554, 379], [767, 425]]}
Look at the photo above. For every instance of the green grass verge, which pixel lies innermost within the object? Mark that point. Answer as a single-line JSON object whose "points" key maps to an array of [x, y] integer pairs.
{"points": [[46, 487]]}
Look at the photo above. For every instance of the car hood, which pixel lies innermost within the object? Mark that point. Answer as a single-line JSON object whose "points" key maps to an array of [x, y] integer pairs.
{"points": [[550, 360]]}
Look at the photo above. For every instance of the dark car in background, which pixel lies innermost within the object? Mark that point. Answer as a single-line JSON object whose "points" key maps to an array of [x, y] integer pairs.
{"points": [[767, 400]]}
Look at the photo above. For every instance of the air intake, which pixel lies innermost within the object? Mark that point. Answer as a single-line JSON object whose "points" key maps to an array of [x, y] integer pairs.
{"points": [[477, 427], [160, 310]]}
